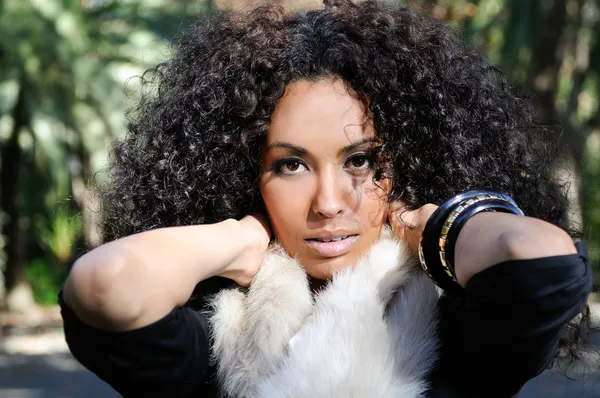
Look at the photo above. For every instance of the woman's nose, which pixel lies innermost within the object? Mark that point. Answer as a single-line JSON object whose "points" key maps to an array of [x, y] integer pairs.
{"points": [[331, 196]]}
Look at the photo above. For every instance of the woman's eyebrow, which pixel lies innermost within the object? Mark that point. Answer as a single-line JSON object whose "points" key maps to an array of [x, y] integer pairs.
{"points": [[278, 144], [350, 147], [303, 151]]}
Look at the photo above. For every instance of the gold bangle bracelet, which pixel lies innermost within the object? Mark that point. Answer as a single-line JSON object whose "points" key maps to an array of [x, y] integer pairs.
{"points": [[422, 259], [450, 221]]}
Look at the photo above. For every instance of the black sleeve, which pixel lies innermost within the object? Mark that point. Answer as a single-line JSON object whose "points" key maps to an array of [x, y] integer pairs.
{"points": [[513, 316], [169, 358]]}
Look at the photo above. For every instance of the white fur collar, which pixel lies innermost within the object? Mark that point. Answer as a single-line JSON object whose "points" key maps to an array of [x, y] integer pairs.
{"points": [[370, 333]]}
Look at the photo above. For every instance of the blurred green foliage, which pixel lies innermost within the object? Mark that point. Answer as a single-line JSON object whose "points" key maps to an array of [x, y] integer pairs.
{"points": [[66, 71], [45, 280], [591, 201], [68, 68]]}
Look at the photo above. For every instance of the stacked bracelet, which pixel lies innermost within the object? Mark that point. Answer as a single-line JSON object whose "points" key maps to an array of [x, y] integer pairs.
{"points": [[437, 244]]}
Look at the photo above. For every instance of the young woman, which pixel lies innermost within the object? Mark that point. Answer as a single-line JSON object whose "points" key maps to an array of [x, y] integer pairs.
{"points": [[269, 204]]}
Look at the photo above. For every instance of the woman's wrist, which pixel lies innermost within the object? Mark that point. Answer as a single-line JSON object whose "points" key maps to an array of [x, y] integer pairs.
{"points": [[250, 238], [238, 243]]}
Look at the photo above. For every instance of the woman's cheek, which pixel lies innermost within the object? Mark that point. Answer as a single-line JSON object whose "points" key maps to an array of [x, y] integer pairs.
{"points": [[286, 205]]}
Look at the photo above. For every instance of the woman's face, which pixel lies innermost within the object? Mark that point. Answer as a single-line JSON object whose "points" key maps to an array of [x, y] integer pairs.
{"points": [[317, 178]]}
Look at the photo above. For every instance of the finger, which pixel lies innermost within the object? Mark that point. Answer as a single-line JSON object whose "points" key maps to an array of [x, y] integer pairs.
{"points": [[396, 206], [427, 210], [394, 210], [409, 218]]}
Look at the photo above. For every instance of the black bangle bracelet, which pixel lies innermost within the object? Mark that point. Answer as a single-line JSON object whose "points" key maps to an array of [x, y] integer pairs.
{"points": [[430, 262], [435, 233], [500, 205], [429, 244]]}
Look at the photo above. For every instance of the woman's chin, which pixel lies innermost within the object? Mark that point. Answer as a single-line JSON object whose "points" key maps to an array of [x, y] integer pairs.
{"points": [[325, 268]]}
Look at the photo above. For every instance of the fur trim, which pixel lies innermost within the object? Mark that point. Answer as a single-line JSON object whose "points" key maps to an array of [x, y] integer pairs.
{"points": [[370, 333]]}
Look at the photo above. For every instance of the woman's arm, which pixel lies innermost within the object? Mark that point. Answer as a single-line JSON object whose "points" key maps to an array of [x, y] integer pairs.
{"points": [[492, 238], [524, 280], [137, 280], [488, 239]]}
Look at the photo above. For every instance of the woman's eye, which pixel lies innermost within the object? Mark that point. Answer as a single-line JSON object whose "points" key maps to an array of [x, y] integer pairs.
{"points": [[290, 167], [359, 162]]}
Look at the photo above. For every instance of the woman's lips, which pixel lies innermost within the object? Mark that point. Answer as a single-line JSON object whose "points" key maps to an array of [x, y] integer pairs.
{"points": [[332, 249]]}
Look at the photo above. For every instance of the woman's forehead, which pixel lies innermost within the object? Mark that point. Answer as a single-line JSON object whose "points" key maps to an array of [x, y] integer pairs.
{"points": [[318, 112]]}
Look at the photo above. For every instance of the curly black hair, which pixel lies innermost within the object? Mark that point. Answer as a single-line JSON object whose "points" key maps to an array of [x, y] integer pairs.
{"points": [[447, 118]]}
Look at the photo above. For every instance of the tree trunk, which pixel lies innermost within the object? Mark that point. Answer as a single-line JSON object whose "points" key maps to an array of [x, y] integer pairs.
{"points": [[18, 293], [546, 63], [544, 76]]}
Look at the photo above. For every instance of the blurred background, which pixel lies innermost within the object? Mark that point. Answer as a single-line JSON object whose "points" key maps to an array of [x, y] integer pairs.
{"points": [[69, 70]]}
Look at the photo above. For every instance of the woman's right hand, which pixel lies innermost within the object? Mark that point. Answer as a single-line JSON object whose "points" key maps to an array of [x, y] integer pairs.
{"points": [[255, 235]]}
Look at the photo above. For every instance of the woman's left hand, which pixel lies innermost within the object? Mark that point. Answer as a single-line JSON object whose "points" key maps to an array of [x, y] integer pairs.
{"points": [[408, 225]]}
